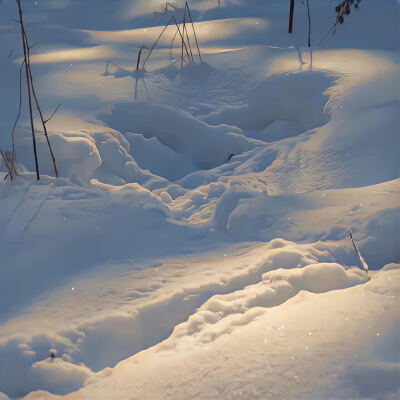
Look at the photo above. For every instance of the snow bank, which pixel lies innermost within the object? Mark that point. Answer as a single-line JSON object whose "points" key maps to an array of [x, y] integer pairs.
{"points": [[222, 314], [281, 339], [152, 303], [356, 147]]}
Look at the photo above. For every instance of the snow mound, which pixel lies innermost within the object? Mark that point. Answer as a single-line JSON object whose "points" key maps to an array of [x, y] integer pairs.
{"points": [[391, 266], [207, 146], [319, 278], [75, 154], [161, 160], [277, 98], [385, 225], [95, 152], [357, 147], [36, 368]]}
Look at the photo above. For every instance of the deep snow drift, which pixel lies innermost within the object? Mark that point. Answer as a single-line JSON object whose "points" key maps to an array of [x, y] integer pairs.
{"points": [[196, 244]]}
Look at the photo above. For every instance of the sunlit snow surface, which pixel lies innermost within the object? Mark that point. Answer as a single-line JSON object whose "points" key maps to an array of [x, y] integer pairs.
{"points": [[196, 245]]}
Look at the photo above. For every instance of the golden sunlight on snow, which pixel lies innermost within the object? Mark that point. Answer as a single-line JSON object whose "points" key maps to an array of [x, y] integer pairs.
{"points": [[206, 31], [81, 81], [347, 61], [74, 55], [143, 7]]}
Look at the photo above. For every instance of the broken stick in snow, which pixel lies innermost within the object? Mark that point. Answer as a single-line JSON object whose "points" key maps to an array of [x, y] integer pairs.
{"points": [[363, 262]]}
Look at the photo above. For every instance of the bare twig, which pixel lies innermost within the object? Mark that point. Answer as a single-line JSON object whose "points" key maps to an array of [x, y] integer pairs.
{"points": [[41, 116], [172, 44], [187, 35], [172, 20], [9, 162], [194, 31], [363, 262], [169, 4], [291, 14], [54, 112], [341, 10], [113, 63], [32, 96], [29, 91], [19, 110], [139, 56], [309, 23]]}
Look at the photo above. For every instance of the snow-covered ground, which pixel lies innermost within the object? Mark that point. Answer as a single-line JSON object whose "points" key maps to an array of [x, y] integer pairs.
{"points": [[196, 244]]}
